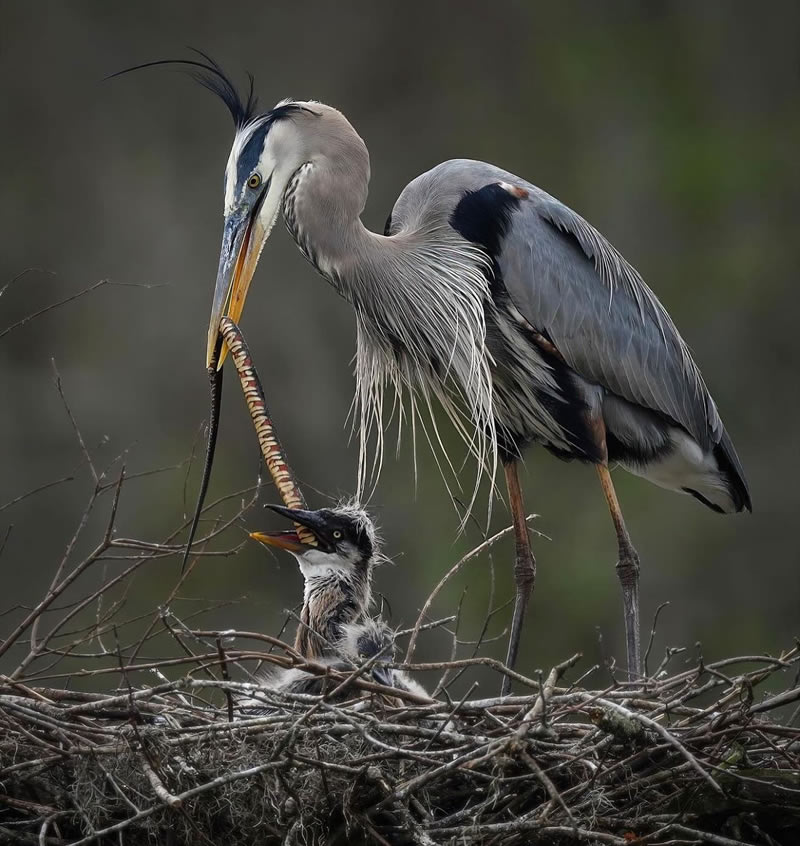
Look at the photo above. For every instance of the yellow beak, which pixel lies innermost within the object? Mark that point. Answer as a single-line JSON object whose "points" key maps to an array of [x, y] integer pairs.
{"points": [[282, 540], [242, 241]]}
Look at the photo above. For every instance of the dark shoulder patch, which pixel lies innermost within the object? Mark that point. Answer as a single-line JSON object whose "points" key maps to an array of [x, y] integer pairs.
{"points": [[387, 229], [483, 216]]}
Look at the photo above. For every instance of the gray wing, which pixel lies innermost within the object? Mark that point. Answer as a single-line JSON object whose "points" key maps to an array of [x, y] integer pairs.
{"points": [[573, 286]]}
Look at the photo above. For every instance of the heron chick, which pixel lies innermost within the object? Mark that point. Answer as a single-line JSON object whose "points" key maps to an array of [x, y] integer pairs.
{"points": [[334, 628], [337, 572], [368, 643], [373, 639]]}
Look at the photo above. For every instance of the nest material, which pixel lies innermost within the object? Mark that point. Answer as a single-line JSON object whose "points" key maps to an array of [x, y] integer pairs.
{"points": [[686, 758]]}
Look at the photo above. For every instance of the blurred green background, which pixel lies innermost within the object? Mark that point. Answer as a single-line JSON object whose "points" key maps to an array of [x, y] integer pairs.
{"points": [[673, 127]]}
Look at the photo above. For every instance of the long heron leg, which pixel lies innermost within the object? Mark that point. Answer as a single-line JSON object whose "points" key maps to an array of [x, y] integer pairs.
{"points": [[627, 572], [524, 565]]}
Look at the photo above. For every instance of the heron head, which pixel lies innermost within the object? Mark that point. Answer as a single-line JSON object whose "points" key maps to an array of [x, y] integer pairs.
{"points": [[345, 538], [370, 639], [267, 152]]}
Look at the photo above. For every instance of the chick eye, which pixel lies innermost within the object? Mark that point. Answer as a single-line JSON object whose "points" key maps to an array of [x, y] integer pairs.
{"points": [[255, 180], [337, 534]]}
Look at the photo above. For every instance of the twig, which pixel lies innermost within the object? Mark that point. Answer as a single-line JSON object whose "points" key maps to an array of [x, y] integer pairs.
{"points": [[23, 274], [653, 634], [44, 310], [776, 701], [36, 490], [161, 792], [412, 643], [76, 429], [223, 664]]}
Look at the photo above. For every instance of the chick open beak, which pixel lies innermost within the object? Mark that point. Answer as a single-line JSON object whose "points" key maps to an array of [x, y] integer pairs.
{"points": [[290, 540], [282, 540]]}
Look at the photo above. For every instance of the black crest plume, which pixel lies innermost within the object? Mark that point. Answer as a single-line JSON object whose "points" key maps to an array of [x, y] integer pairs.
{"points": [[211, 76]]}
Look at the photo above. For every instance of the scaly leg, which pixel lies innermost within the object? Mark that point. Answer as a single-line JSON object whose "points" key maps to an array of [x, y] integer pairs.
{"points": [[524, 566], [628, 573]]}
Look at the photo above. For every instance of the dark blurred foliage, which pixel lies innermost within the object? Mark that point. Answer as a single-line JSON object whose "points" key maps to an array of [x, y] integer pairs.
{"points": [[673, 127]]}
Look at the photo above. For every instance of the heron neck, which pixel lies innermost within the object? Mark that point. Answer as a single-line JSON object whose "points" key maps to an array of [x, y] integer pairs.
{"points": [[420, 298], [355, 260], [322, 207], [331, 602]]}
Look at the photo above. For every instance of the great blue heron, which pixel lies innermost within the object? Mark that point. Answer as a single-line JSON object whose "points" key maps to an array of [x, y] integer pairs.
{"points": [[489, 294], [337, 572]]}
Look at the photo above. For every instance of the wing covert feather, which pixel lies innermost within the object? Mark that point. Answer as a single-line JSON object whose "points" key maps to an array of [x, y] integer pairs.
{"points": [[572, 285]]}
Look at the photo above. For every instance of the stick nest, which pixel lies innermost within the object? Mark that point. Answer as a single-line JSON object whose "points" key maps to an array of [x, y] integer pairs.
{"points": [[690, 757]]}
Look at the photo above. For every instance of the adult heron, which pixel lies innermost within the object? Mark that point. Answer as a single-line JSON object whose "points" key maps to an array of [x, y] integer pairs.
{"points": [[491, 296]]}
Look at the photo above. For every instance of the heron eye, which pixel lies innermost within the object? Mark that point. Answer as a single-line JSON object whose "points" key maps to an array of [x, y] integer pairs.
{"points": [[255, 180], [337, 534]]}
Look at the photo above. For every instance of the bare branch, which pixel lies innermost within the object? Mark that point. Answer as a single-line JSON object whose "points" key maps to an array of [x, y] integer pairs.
{"points": [[72, 420], [52, 306], [22, 275], [412, 643], [36, 490]]}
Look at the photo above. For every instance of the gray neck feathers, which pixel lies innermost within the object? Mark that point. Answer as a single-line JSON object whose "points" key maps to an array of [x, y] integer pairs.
{"points": [[323, 202], [419, 297]]}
